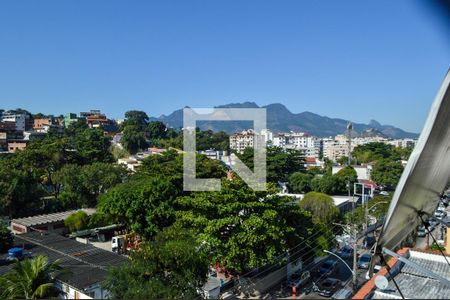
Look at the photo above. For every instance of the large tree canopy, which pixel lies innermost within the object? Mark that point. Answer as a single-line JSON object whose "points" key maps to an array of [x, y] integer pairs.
{"points": [[300, 182], [321, 207], [173, 266], [280, 163], [243, 228], [387, 172], [144, 204]]}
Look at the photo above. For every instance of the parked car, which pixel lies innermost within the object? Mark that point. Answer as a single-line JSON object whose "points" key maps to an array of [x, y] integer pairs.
{"points": [[421, 232], [299, 279], [16, 254], [384, 193], [369, 241], [376, 268], [345, 252], [440, 213], [328, 267], [364, 261], [433, 224], [329, 286], [342, 294]]}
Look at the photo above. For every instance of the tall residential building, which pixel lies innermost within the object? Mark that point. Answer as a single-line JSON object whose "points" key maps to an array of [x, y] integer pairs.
{"points": [[241, 140], [335, 148], [309, 145], [268, 135]]}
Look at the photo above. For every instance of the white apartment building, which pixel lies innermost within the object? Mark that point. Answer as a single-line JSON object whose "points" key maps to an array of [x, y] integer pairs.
{"points": [[241, 140], [267, 134], [245, 139], [279, 140], [335, 148], [17, 119], [403, 143], [310, 145]]}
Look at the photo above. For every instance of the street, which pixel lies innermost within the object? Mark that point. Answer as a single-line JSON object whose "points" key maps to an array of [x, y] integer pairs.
{"points": [[342, 273]]}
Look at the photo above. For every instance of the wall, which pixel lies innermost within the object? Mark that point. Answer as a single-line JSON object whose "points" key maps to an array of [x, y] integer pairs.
{"points": [[92, 292]]}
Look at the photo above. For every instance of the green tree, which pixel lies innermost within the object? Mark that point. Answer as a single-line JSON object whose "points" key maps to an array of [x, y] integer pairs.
{"points": [[170, 165], [242, 228], [281, 163], [387, 173], [75, 127], [81, 185], [173, 266], [300, 182], [327, 184], [99, 220], [133, 139], [19, 190], [212, 140], [30, 279], [93, 146], [137, 118], [372, 152], [6, 238], [156, 130], [379, 205], [321, 207], [346, 176], [77, 221], [144, 204]]}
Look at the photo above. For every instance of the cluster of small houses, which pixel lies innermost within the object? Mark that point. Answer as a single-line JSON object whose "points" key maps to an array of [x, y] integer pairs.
{"points": [[18, 129]]}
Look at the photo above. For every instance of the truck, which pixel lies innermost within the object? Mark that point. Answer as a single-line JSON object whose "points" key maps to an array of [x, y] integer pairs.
{"points": [[123, 244]]}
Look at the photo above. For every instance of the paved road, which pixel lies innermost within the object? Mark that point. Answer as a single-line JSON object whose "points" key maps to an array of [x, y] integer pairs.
{"points": [[342, 273]]}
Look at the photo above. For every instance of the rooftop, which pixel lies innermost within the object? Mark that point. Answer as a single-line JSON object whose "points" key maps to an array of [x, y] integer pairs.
{"points": [[412, 283], [50, 218], [86, 264]]}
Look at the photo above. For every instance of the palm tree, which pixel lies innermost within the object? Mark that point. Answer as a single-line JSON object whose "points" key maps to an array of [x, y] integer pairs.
{"points": [[30, 279]]}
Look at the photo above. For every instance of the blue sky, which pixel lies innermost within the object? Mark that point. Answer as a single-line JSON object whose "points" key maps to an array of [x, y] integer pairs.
{"points": [[357, 60]]}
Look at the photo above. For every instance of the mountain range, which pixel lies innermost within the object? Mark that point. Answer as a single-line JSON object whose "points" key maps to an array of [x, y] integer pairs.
{"points": [[280, 119]]}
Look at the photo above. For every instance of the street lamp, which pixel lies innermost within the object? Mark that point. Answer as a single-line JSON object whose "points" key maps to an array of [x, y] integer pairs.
{"points": [[345, 263], [353, 272], [355, 251]]}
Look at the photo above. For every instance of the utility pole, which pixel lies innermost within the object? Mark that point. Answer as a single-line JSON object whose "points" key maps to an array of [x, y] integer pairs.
{"points": [[353, 226], [355, 254], [349, 136], [353, 233]]}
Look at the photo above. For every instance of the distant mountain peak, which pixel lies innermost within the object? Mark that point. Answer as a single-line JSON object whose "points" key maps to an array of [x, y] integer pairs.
{"points": [[246, 104], [281, 119], [374, 124]]}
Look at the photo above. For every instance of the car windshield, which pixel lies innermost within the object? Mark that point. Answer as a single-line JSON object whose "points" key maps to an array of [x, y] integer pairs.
{"points": [[328, 264], [365, 258]]}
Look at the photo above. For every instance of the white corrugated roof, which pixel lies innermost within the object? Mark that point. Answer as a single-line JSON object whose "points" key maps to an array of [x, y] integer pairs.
{"points": [[50, 218]]}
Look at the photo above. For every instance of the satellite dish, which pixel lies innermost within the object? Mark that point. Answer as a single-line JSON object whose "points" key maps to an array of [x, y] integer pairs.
{"points": [[381, 282]]}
